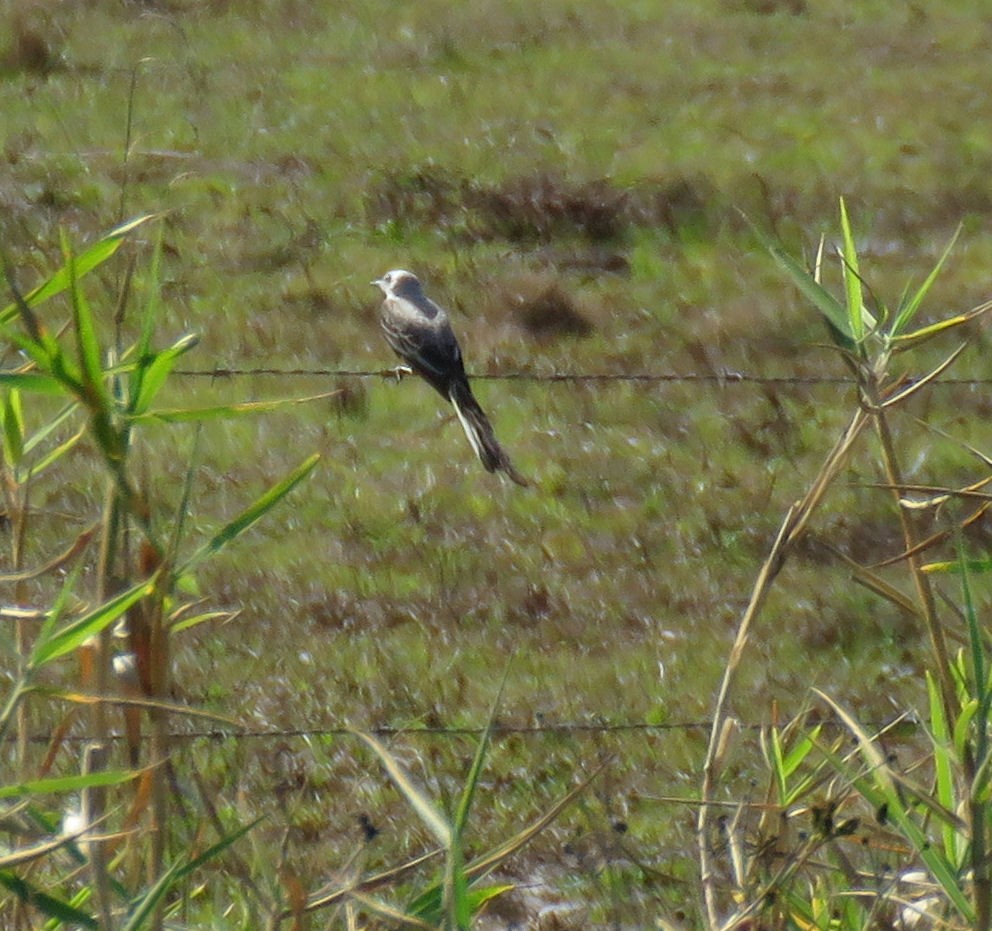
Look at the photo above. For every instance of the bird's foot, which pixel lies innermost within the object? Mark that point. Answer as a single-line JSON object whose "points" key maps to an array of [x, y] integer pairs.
{"points": [[400, 372]]}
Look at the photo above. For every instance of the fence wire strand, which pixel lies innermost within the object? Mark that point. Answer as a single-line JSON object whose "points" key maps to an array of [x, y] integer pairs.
{"points": [[719, 378], [221, 734]]}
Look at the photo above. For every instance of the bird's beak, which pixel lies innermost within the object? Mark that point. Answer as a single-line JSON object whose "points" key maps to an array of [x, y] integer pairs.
{"points": [[377, 282]]}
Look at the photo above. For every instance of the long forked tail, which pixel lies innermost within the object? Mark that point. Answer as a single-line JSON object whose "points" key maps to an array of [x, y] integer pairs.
{"points": [[480, 434]]}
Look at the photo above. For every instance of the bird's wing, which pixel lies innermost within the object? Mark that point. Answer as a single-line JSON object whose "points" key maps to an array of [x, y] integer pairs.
{"points": [[431, 349]]}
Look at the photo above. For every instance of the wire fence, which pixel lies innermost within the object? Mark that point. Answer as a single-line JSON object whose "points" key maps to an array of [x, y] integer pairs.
{"points": [[541, 728], [718, 378], [904, 724]]}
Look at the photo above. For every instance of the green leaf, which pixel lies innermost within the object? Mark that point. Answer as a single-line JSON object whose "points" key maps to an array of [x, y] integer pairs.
{"points": [[228, 411], [834, 312], [800, 751], [962, 727], [786, 763], [195, 620], [880, 788], [429, 908], [472, 781], [253, 513], [87, 344], [39, 465], [47, 904], [12, 421], [151, 372], [37, 382], [957, 567], [143, 907], [943, 765], [47, 355], [86, 261], [64, 784], [852, 279], [908, 309], [73, 635]]}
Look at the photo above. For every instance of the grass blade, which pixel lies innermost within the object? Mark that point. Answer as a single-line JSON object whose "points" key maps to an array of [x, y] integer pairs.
{"points": [[465, 802], [420, 803], [880, 789], [38, 466], [146, 905]]}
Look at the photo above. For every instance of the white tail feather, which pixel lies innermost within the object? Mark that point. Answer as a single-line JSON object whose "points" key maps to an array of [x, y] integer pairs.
{"points": [[469, 429]]}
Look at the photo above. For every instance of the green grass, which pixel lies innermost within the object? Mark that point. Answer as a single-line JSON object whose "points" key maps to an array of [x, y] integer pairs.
{"points": [[280, 139]]}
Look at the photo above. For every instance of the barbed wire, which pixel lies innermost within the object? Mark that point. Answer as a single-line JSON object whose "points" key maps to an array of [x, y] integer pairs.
{"points": [[720, 378], [220, 734]]}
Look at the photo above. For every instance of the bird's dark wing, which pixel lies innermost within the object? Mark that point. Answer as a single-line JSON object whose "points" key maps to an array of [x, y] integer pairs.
{"points": [[430, 350]]}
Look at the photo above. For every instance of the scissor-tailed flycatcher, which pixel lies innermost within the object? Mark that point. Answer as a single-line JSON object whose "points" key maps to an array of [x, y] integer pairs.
{"points": [[420, 333]]}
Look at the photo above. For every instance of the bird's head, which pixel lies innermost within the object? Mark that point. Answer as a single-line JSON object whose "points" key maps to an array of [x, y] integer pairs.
{"points": [[399, 282]]}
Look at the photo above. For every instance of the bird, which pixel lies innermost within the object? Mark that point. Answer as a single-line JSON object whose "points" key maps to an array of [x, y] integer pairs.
{"points": [[419, 332]]}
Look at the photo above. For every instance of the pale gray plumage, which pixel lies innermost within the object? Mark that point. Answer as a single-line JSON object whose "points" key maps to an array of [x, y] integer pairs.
{"points": [[419, 332]]}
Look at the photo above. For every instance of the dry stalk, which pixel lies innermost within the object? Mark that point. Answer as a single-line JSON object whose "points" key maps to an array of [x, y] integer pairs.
{"points": [[791, 531]]}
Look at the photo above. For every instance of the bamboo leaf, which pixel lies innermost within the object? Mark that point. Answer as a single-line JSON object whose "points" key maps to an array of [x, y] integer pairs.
{"points": [[151, 372], [227, 411], [195, 620], [908, 309], [38, 466], [64, 784], [34, 381], [87, 343], [880, 788], [46, 904], [50, 426], [833, 311], [253, 513], [46, 353], [73, 635], [911, 340], [852, 278], [143, 908], [12, 421], [943, 764], [86, 261]]}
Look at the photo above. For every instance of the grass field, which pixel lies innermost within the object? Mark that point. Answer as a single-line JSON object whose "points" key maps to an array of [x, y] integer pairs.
{"points": [[569, 178]]}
